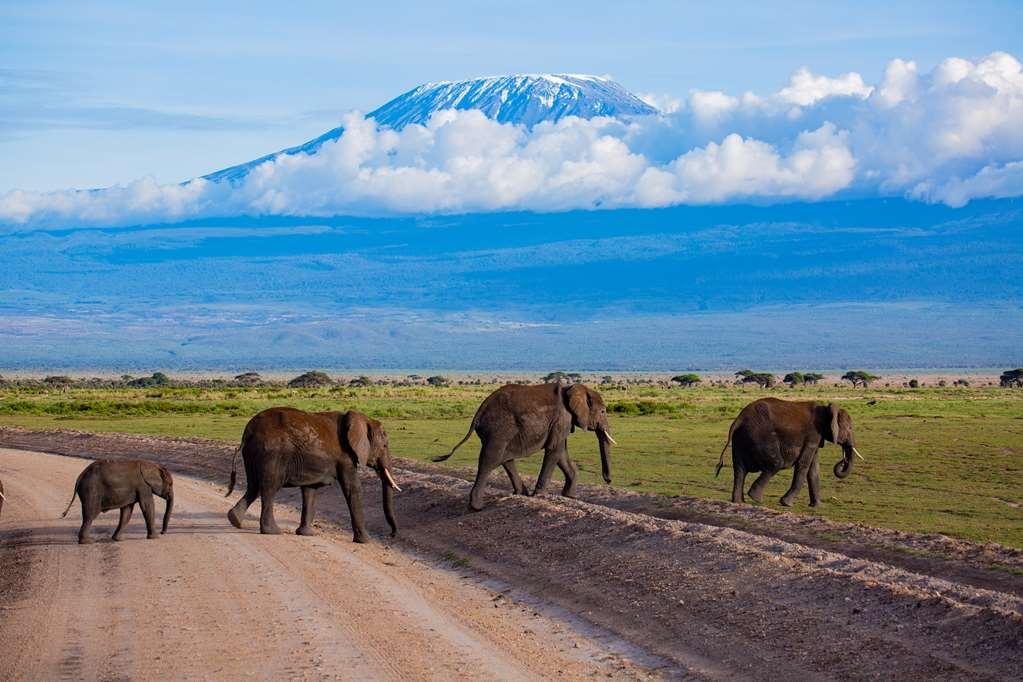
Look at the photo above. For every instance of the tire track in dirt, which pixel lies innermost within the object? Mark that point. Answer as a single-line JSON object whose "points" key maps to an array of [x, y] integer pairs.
{"points": [[207, 600]]}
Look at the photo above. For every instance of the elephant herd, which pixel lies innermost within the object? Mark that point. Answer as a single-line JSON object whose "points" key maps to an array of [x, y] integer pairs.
{"points": [[283, 447]]}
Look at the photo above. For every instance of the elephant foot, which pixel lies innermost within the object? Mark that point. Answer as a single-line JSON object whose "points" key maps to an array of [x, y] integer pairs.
{"points": [[786, 502], [85, 541], [570, 494], [234, 518], [360, 538], [152, 536], [269, 530], [115, 538], [306, 530], [815, 503]]}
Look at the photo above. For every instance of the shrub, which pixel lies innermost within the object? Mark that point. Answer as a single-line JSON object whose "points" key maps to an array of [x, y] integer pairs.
{"points": [[960, 382], [812, 378], [59, 381], [156, 379], [361, 381], [438, 381], [794, 379], [913, 383], [248, 379], [1012, 378], [687, 380], [563, 377], [763, 379], [311, 380]]}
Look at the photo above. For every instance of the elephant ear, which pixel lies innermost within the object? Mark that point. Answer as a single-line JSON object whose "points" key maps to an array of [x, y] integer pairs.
{"points": [[578, 405], [166, 479], [153, 476], [835, 435], [357, 436]]}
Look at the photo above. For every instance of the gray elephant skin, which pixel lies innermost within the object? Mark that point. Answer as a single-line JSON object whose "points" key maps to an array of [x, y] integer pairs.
{"points": [[287, 448], [771, 434], [515, 421], [120, 484]]}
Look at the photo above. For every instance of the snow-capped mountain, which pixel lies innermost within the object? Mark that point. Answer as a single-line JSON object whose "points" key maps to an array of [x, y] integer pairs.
{"points": [[526, 99]]}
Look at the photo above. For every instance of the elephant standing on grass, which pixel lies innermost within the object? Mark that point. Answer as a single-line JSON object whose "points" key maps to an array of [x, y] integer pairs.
{"points": [[515, 421], [771, 434], [111, 484], [288, 448]]}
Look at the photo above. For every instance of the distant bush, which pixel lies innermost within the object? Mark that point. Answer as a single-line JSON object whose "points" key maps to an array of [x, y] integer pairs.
{"points": [[311, 380], [812, 378], [794, 379], [438, 381], [960, 382], [638, 408], [361, 381], [562, 378], [604, 380], [763, 379], [913, 383], [859, 378], [156, 379], [687, 380], [59, 381], [248, 379], [1012, 378]]}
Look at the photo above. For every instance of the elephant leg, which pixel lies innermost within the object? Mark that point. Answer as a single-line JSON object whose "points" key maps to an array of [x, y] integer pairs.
{"points": [[148, 512], [738, 481], [513, 475], [756, 491], [569, 469], [267, 522], [237, 512], [125, 518], [799, 474], [550, 459], [491, 455], [352, 490], [308, 512], [89, 513], [813, 479]]}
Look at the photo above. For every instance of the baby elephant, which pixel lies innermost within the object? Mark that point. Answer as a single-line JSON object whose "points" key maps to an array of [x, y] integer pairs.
{"points": [[110, 484]]}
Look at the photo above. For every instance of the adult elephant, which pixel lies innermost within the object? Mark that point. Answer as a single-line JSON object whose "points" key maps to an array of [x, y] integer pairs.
{"points": [[771, 434], [515, 421], [287, 448], [111, 484]]}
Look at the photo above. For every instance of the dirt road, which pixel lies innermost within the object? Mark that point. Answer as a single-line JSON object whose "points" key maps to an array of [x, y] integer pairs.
{"points": [[638, 585], [208, 601]]}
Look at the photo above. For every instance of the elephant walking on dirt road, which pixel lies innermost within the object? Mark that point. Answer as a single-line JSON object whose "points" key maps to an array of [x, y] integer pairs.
{"points": [[111, 484], [771, 434], [287, 448], [515, 421]]}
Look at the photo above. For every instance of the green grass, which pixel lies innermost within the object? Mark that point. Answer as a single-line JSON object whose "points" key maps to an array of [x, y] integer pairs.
{"points": [[944, 460]]}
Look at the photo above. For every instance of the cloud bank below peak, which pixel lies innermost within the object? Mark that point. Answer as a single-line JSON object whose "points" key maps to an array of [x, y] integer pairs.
{"points": [[950, 135]]}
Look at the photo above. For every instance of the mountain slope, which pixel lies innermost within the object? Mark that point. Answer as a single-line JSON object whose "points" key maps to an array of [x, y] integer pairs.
{"points": [[521, 99]]}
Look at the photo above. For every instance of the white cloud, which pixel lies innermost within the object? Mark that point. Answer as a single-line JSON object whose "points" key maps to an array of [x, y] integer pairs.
{"points": [[949, 135]]}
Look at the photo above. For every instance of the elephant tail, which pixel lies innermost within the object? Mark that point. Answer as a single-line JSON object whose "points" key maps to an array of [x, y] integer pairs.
{"points": [[74, 492], [468, 434], [721, 459], [234, 468]]}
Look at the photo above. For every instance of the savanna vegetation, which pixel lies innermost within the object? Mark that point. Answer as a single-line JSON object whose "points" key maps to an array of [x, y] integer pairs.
{"points": [[943, 459]]}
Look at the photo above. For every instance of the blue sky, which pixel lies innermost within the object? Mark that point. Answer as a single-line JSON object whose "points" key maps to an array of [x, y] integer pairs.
{"points": [[93, 94]]}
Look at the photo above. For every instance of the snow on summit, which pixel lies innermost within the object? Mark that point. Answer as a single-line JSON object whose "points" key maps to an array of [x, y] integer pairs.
{"points": [[523, 99]]}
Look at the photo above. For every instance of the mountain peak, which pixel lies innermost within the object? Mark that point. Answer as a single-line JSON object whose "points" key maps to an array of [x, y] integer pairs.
{"points": [[525, 99], [522, 99]]}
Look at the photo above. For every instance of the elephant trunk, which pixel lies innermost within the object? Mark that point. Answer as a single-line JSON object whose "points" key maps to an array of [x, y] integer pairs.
{"points": [[604, 440], [167, 511], [388, 486], [843, 467]]}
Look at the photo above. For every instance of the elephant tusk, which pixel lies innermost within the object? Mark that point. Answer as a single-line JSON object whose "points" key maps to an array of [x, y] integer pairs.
{"points": [[390, 479], [2, 496], [857, 453], [607, 434]]}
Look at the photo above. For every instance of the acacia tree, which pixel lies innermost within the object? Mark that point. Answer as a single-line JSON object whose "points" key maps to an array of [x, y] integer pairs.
{"points": [[687, 380], [859, 377], [812, 378], [794, 378]]}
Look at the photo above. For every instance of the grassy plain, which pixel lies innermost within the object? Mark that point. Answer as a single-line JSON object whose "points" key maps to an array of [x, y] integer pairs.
{"points": [[945, 460]]}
